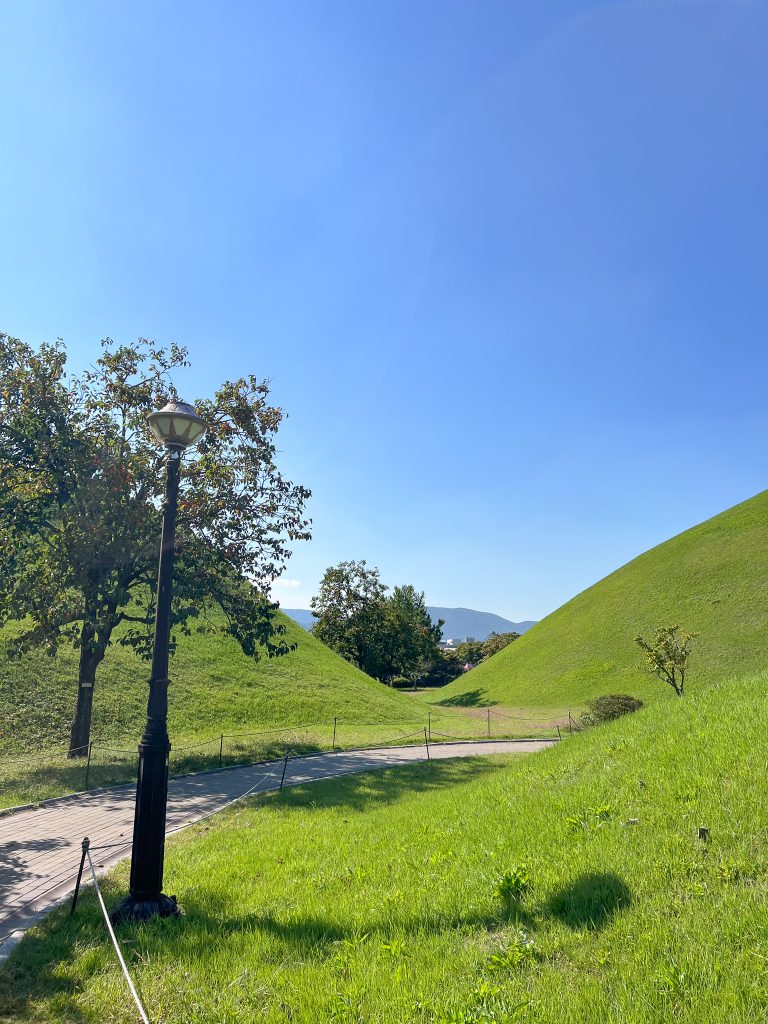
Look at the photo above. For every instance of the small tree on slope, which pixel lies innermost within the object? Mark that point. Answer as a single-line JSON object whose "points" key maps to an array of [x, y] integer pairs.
{"points": [[667, 655], [81, 485]]}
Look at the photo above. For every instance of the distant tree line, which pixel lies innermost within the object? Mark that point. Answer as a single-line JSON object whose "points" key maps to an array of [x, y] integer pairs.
{"points": [[472, 652]]}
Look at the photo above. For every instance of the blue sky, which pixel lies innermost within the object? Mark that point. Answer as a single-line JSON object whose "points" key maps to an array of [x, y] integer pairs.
{"points": [[505, 264]]}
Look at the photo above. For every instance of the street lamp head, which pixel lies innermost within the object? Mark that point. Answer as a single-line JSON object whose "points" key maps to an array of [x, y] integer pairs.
{"points": [[177, 425]]}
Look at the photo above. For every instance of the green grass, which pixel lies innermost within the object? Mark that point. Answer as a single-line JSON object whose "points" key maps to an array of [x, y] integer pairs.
{"points": [[374, 898], [264, 708], [710, 579], [214, 689]]}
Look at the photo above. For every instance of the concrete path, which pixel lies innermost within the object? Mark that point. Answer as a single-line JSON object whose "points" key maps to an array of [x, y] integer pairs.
{"points": [[40, 846]]}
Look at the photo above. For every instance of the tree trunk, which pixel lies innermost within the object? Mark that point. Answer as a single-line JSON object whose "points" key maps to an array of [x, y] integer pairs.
{"points": [[91, 654]]}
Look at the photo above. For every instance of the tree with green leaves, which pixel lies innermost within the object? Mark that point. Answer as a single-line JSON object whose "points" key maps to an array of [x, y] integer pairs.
{"points": [[496, 642], [667, 655], [384, 635], [81, 485], [470, 652], [412, 640], [350, 609]]}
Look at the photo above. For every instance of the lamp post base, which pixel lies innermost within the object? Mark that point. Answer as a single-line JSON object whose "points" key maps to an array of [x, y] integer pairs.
{"points": [[134, 909]]}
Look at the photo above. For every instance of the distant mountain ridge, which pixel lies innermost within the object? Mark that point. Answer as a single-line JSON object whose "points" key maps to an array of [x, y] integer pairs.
{"points": [[459, 622]]}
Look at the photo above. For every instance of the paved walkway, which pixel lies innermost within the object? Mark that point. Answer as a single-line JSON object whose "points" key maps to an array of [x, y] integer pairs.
{"points": [[40, 846]]}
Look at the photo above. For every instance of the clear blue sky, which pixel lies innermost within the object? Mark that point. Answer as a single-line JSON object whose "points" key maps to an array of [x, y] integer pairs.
{"points": [[506, 264]]}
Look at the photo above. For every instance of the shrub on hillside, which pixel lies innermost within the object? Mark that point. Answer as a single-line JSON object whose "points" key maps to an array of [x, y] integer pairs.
{"points": [[608, 707]]}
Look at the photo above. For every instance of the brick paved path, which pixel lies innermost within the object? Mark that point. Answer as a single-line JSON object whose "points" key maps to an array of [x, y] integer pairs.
{"points": [[40, 846]]}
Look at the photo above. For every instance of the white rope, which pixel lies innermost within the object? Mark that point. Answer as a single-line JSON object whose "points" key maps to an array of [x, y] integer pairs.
{"points": [[242, 796], [131, 986]]}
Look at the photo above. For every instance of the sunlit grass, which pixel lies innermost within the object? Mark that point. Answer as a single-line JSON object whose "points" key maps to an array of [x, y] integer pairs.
{"points": [[376, 898], [51, 774], [710, 579]]}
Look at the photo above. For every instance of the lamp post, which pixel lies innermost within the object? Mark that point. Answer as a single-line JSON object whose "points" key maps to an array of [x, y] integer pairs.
{"points": [[177, 426]]}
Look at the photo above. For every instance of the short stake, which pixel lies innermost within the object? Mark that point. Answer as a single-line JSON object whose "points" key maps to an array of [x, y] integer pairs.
{"points": [[88, 767], [86, 846]]}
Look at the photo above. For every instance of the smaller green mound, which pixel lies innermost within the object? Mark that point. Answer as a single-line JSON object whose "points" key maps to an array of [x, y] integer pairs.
{"points": [[214, 689], [375, 898], [712, 579]]}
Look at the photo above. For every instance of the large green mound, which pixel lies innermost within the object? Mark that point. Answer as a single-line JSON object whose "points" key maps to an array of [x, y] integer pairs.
{"points": [[375, 898], [215, 689], [712, 579]]}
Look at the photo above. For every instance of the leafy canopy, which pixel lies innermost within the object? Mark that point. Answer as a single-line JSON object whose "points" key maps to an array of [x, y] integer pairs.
{"points": [[667, 655], [81, 484], [385, 636]]}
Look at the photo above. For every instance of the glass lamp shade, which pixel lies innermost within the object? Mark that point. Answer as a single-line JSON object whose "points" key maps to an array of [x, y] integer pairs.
{"points": [[177, 425]]}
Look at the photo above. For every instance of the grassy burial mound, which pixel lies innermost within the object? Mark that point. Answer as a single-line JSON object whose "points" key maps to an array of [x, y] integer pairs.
{"points": [[712, 579], [562, 887], [215, 688]]}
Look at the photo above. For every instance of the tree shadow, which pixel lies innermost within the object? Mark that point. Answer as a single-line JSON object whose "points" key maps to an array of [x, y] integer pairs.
{"points": [[14, 867], [374, 784], [36, 973], [56, 941], [590, 901], [470, 699]]}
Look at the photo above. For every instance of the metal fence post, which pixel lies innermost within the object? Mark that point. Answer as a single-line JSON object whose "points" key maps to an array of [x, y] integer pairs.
{"points": [[86, 845], [558, 733], [426, 744], [333, 745], [489, 723], [87, 774], [221, 750], [285, 765]]}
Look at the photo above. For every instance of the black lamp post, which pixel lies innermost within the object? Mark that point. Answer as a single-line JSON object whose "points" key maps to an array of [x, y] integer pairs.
{"points": [[177, 426]]}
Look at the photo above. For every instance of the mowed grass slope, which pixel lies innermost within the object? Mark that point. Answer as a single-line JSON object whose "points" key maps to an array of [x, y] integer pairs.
{"points": [[712, 579], [214, 689], [374, 898]]}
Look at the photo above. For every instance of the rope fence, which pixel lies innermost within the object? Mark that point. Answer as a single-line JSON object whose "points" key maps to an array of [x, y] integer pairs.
{"points": [[111, 931], [87, 849], [106, 765]]}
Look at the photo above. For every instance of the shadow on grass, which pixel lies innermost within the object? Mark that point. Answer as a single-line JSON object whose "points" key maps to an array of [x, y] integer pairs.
{"points": [[35, 972], [32, 783], [590, 901], [34, 969], [360, 791], [470, 699], [41, 968]]}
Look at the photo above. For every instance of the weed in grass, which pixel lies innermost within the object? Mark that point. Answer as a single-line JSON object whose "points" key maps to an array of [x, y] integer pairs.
{"points": [[513, 886], [590, 820], [520, 952], [488, 1004]]}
